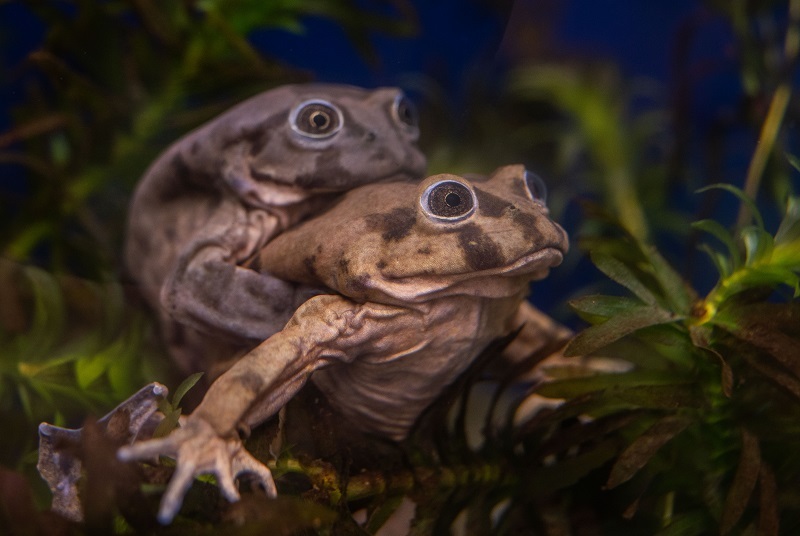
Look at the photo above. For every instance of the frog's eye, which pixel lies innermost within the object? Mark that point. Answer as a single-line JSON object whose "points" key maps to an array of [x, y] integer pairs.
{"points": [[316, 119], [405, 111], [536, 187], [448, 200]]}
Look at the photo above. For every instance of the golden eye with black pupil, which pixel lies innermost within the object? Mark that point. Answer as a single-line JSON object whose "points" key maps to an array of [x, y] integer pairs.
{"points": [[448, 200], [405, 111], [536, 187], [316, 119]]}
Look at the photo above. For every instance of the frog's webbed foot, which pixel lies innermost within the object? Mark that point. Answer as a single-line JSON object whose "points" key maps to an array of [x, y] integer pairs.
{"points": [[60, 462], [199, 450]]}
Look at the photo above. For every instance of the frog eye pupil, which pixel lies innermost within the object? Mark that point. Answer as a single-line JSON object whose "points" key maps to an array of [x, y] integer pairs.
{"points": [[319, 119], [452, 199], [316, 119], [448, 200]]}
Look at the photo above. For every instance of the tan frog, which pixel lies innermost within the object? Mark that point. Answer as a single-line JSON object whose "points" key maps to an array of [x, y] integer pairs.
{"points": [[221, 192], [423, 276]]}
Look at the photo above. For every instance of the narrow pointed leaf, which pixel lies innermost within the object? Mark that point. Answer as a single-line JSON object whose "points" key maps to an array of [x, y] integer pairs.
{"points": [[721, 262], [650, 389], [743, 197], [184, 387], [775, 373], [744, 482], [719, 232], [677, 292], [168, 424], [623, 275], [613, 329], [770, 327], [605, 306], [642, 450], [758, 245]]}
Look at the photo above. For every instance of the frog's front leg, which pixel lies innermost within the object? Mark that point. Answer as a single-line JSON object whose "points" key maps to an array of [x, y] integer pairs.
{"points": [[210, 292], [325, 329], [198, 450]]}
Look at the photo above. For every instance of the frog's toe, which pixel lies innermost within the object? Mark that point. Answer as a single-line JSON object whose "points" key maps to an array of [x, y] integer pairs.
{"points": [[178, 486], [148, 450], [244, 462], [225, 481]]}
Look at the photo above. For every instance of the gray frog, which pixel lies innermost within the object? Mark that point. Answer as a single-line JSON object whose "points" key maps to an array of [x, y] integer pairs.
{"points": [[422, 278], [221, 192]]}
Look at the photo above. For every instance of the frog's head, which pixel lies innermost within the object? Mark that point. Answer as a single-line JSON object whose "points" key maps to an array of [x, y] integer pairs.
{"points": [[404, 242], [331, 137]]}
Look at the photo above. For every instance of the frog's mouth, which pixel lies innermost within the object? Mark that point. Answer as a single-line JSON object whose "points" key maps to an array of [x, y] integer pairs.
{"points": [[496, 282], [536, 264]]}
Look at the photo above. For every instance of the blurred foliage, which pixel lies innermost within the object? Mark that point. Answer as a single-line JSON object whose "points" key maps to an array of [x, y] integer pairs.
{"points": [[113, 83], [697, 438]]}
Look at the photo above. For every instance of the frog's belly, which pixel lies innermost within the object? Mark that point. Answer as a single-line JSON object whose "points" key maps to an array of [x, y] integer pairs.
{"points": [[384, 400], [385, 394]]}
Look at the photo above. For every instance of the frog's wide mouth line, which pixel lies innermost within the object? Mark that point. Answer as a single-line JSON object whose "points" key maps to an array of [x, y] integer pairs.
{"points": [[535, 264], [539, 261]]}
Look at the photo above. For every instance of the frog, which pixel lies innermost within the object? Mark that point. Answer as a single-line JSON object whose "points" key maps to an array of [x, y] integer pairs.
{"points": [[421, 276], [221, 192]]}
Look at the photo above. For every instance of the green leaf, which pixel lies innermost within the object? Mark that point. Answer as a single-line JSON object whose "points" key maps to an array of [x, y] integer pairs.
{"points": [[168, 424], [758, 245], [604, 306], [644, 447], [646, 388], [743, 197], [91, 367], [184, 387], [677, 292], [716, 229], [623, 275], [592, 339], [721, 262]]}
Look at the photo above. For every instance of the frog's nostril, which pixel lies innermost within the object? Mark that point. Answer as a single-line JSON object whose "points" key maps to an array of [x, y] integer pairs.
{"points": [[370, 136]]}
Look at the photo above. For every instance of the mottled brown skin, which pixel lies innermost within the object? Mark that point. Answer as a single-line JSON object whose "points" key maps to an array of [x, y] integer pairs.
{"points": [[221, 192], [414, 299]]}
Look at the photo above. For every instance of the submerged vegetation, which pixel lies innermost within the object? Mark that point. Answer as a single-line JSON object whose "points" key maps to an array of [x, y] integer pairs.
{"points": [[698, 438]]}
